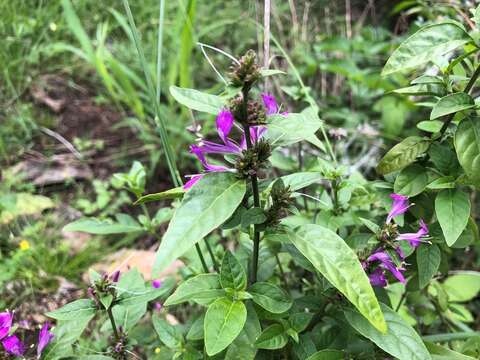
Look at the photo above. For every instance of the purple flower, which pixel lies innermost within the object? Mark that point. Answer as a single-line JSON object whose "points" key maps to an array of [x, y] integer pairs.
{"points": [[115, 276], [415, 239], [386, 263], [44, 338], [157, 283], [158, 306], [377, 278], [6, 319], [224, 124], [13, 345], [271, 104], [400, 206]]}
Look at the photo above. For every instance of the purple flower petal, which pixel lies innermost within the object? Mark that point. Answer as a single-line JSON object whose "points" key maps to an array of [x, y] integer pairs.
{"points": [[415, 239], [13, 345], [44, 338], [209, 147], [400, 206], [115, 276], [224, 124], [193, 180], [270, 103], [158, 306], [198, 152], [6, 319], [387, 263], [377, 278]]}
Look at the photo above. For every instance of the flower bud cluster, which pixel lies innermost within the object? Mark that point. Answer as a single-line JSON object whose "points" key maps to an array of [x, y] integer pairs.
{"points": [[282, 202], [254, 159], [246, 72]]}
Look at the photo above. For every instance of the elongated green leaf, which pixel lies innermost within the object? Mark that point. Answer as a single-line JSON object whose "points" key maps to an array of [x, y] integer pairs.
{"points": [[148, 294], [411, 181], [452, 103], [467, 145], [301, 180], [330, 255], [403, 154], [202, 289], [431, 126], [271, 72], [197, 100], [273, 337], [401, 340], [289, 129], [170, 335], [224, 320], [204, 208], [430, 42], [75, 26], [78, 309], [442, 353], [104, 227], [462, 286], [452, 207], [428, 261], [232, 274], [270, 297], [169, 194]]}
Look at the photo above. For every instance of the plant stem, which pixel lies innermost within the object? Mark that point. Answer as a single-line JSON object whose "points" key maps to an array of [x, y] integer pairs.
{"points": [[256, 203], [112, 321], [467, 90], [202, 259], [214, 261], [280, 267]]}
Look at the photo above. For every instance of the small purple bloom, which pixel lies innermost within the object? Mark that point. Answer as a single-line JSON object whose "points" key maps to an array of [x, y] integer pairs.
{"points": [[44, 338], [400, 206], [13, 345], [377, 278], [415, 239], [270, 103], [157, 283], [387, 263], [158, 306], [193, 180], [6, 319], [115, 276]]}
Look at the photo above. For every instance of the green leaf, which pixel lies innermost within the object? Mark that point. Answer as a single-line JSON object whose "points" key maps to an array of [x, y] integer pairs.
{"points": [[174, 193], [232, 274], [442, 353], [252, 216], [452, 207], [467, 145], [271, 72], [202, 289], [394, 112], [273, 337], [401, 340], [284, 130], [463, 286], [224, 320], [300, 321], [204, 208], [270, 297], [168, 334], [330, 255], [327, 354], [196, 330], [22, 204], [431, 126], [197, 100], [104, 227], [428, 43], [301, 180], [75, 26], [78, 309], [403, 154], [146, 295], [452, 103], [370, 225], [411, 181], [428, 261]]}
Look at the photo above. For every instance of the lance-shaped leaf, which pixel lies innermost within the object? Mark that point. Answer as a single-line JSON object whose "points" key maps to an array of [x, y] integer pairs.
{"points": [[430, 42], [452, 207], [202, 289], [452, 103], [339, 264], [197, 100], [270, 297], [232, 274], [204, 208], [467, 145], [289, 129], [78, 309], [401, 340], [442, 353], [428, 261], [224, 320], [403, 154], [124, 224], [174, 193], [273, 337], [411, 181]]}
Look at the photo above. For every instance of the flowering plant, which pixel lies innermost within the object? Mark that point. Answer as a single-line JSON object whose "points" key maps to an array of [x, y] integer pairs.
{"points": [[316, 263]]}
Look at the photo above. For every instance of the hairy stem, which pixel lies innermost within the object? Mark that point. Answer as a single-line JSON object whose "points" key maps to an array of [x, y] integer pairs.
{"points": [[112, 322], [212, 256]]}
